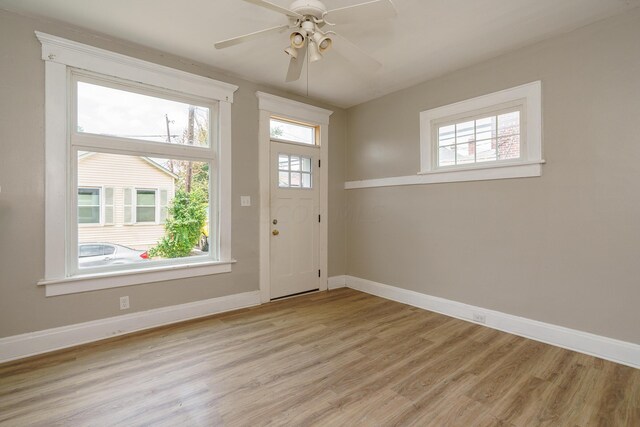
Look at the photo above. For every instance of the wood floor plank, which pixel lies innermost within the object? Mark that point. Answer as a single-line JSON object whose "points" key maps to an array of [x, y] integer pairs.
{"points": [[330, 358]]}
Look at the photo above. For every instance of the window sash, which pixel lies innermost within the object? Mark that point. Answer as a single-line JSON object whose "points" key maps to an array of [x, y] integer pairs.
{"points": [[493, 111], [79, 141]]}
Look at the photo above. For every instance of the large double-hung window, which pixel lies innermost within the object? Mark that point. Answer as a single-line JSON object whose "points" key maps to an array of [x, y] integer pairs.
{"points": [[145, 156]]}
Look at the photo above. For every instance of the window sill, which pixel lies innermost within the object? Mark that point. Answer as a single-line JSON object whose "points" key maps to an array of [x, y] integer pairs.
{"points": [[502, 171], [93, 282]]}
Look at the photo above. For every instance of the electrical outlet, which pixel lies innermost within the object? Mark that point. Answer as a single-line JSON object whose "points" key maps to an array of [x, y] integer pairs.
{"points": [[245, 200], [479, 317], [124, 303]]}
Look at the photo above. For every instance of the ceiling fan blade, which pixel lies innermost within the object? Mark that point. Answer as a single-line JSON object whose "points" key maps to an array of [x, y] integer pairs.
{"points": [[275, 8], [353, 53], [369, 11], [295, 65], [248, 37]]}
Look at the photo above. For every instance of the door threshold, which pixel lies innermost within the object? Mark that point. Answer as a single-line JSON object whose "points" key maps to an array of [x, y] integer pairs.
{"points": [[296, 295]]}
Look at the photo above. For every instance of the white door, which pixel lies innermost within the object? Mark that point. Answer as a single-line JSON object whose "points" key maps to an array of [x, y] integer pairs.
{"points": [[294, 262]]}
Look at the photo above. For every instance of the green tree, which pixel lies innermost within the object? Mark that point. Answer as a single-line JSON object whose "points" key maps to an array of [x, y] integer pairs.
{"points": [[187, 215]]}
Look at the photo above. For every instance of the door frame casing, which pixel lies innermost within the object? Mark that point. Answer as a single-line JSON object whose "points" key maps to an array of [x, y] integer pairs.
{"points": [[268, 106]]}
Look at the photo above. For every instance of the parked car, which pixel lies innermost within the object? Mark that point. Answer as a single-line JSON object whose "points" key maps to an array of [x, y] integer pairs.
{"points": [[100, 254]]}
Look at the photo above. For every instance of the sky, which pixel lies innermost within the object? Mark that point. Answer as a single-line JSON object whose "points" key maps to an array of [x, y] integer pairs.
{"points": [[107, 111]]}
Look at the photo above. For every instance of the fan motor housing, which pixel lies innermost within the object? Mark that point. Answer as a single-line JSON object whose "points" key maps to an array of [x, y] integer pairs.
{"points": [[314, 8]]}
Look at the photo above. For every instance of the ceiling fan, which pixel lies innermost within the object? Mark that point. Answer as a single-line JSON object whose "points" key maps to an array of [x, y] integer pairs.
{"points": [[308, 20]]}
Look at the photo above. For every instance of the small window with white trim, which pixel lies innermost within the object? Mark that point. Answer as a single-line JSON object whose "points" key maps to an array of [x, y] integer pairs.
{"points": [[501, 131]]}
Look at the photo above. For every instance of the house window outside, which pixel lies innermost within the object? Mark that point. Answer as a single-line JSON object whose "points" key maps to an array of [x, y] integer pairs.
{"points": [[145, 206], [88, 206]]}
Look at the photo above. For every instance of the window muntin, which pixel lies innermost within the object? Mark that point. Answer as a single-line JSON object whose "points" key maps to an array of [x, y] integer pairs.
{"points": [[113, 111], [294, 171], [145, 206], [88, 205], [292, 132], [488, 137]]}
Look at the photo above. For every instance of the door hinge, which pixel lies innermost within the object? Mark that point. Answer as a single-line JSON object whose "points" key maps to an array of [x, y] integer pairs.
{"points": [[318, 273], [319, 160], [318, 218]]}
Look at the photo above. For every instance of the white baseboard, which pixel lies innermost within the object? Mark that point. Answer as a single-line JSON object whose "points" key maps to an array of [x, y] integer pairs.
{"points": [[622, 352], [336, 282], [33, 343]]}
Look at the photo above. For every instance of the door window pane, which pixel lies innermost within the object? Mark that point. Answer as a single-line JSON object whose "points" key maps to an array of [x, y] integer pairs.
{"points": [[107, 111], [294, 171]]}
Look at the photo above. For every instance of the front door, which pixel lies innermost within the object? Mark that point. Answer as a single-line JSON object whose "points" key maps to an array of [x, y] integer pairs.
{"points": [[294, 219]]}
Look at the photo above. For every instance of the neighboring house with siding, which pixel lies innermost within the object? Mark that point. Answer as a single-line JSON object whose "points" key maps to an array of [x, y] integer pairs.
{"points": [[122, 199]]}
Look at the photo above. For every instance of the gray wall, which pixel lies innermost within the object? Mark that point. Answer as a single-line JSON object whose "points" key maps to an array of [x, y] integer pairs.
{"points": [[23, 306], [563, 248]]}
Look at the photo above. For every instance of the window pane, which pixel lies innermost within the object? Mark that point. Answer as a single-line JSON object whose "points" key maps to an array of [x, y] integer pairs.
{"points": [[306, 180], [295, 163], [88, 196], [137, 205], [509, 124], [466, 153], [447, 135], [293, 132], [283, 162], [509, 147], [486, 128], [296, 179], [106, 111], [447, 156], [146, 198], [145, 214], [486, 150], [88, 214], [283, 179], [306, 164], [464, 132]]}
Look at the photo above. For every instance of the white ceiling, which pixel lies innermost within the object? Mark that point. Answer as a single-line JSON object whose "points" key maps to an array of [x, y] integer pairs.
{"points": [[428, 37]]}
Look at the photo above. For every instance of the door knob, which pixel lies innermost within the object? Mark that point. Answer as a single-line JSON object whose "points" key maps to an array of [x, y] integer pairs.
{"points": [[275, 232]]}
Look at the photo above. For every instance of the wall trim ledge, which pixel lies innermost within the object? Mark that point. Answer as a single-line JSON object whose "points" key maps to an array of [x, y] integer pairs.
{"points": [[34, 343], [622, 352]]}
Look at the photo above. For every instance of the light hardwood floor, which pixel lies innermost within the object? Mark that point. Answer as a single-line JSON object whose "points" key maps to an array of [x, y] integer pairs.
{"points": [[332, 358]]}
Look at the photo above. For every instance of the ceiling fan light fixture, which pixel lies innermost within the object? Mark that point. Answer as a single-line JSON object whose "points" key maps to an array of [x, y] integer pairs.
{"points": [[323, 41], [292, 52], [297, 40], [314, 54]]}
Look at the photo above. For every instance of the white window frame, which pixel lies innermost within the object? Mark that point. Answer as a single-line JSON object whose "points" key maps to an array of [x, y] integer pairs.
{"points": [[527, 98], [61, 56]]}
